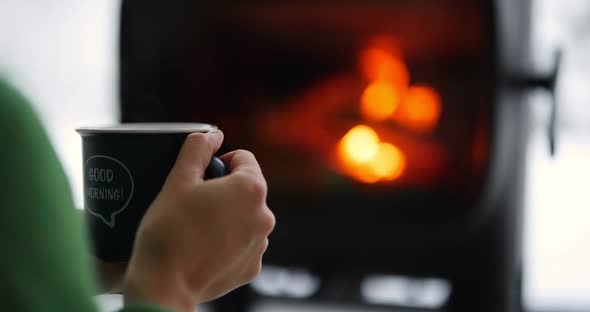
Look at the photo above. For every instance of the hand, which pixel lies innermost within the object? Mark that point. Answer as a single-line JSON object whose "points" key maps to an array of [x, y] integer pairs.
{"points": [[201, 239]]}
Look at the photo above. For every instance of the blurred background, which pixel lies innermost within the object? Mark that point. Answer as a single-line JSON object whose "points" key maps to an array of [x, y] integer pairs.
{"points": [[425, 126]]}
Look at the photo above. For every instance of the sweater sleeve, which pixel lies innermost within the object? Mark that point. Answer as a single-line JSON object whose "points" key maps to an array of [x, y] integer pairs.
{"points": [[44, 259]]}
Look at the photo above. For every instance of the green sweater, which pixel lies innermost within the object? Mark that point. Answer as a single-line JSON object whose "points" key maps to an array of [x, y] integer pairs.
{"points": [[44, 260]]}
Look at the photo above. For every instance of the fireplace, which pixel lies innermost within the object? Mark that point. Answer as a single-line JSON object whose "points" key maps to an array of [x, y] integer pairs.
{"points": [[377, 124]]}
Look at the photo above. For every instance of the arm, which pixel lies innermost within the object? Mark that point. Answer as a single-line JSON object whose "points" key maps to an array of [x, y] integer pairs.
{"points": [[44, 262], [45, 266]]}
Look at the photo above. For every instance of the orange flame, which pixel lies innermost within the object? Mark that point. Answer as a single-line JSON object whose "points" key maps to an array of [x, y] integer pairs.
{"points": [[359, 145], [379, 101], [420, 109], [379, 65], [367, 159], [389, 162]]}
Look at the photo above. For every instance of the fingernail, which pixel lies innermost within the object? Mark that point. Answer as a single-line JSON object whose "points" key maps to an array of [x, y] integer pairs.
{"points": [[214, 131]]}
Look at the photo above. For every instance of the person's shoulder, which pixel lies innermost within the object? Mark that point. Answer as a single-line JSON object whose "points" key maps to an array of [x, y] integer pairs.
{"points": [[16, 112], [12, 102]]}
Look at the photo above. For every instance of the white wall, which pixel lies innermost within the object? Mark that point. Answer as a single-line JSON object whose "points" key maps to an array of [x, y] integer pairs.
{"points": [[557, 231], [62, 54]]}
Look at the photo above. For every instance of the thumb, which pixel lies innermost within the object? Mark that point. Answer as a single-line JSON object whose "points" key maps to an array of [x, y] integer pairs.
{"points": [[195, 154]]}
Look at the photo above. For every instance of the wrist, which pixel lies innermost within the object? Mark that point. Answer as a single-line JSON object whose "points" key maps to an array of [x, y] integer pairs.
{"points": [[166, 291]]}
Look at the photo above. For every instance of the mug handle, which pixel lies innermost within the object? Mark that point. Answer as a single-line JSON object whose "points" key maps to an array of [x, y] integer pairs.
{"points": [[216, 169]]}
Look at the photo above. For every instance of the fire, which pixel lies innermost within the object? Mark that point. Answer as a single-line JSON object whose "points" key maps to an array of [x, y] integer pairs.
{"points": [[359, 145], [379, 100], [387, 97], [368, 159], [389, 162], [420, 109], [377, 64]]}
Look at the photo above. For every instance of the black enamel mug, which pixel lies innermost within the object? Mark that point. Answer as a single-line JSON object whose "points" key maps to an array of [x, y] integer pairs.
{"points": [[125, 167]]}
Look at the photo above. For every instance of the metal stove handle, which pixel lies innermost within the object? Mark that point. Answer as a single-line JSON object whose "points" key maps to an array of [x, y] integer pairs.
{"points": [[547, 82]]}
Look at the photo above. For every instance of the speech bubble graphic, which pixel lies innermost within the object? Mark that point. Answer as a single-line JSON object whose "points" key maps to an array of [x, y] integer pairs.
{"points": [[108, 187]]}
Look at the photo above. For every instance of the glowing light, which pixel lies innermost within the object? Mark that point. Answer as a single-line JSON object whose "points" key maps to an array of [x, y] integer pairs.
{"points": [[387, 97], [359, 145], [420, 110], [379, 101], [365, 158], [378, 64], [365, 175], [388, 163]]}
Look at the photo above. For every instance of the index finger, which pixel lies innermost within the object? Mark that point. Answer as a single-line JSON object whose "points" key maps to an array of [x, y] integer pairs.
{"points": [[195, 154]]}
